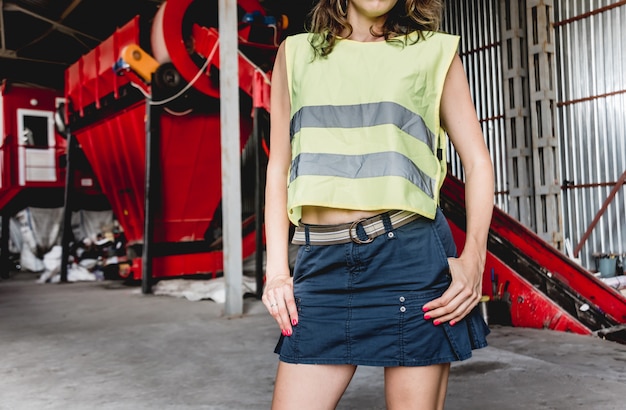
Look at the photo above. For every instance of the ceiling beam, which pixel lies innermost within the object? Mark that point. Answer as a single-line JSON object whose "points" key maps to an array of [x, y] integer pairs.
{"points": [[60, 27], [4, 53], [2, 40], [68, 10], [12, 55]]}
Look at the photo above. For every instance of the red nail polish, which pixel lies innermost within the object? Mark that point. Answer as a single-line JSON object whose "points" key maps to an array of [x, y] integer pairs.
{"points": [[452, 323], [427, 317], [425, 309], [289, 333], [437, 322], [284, 332], [294, 322]]}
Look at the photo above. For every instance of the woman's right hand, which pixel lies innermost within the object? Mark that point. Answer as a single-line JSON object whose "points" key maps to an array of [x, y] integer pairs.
{"points": [[279, 300]]}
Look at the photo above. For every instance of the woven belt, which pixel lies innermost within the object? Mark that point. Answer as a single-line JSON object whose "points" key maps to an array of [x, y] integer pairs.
{"points": [[345, 233]]}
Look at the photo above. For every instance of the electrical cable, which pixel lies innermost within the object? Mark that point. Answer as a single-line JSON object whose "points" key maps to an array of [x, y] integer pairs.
{"points": [[194, 79], [190, 84], [184, 89]]}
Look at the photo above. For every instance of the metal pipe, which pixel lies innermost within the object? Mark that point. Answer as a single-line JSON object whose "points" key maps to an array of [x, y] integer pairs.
{"points": [[589, 13], [153, 130], [567, 185], [494, 118], [590, 98], [4, 246], [72, 147], [2, 39], [231, 157]]}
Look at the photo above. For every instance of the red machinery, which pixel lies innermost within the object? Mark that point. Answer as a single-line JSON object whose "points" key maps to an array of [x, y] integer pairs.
{"points": [[158, 123], [31, 155], [537, 284], [33, 158], [31, 150]]}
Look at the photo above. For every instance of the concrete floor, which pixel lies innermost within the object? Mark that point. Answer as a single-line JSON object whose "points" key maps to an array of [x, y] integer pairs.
{"points": [[101, 345]]}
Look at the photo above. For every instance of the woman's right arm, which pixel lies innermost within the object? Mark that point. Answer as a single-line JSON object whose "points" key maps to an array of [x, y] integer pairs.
{"points": [[278, 293]]}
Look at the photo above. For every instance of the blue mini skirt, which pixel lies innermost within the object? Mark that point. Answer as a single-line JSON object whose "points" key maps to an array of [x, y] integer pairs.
{"points": [[361, 304]]}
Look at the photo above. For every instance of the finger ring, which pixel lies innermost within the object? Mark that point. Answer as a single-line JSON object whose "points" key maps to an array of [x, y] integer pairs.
{"points": [[274, 304]]}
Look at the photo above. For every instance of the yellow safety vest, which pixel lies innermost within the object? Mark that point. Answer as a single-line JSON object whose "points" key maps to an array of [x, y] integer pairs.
{"points": [[365, 126]]}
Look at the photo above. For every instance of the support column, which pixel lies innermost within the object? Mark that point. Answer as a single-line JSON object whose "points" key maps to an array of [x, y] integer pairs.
{"points": [[68, 203], [152, 191], [4, 246], [542, 105], [530, 101], [231, 157], [517, 116]]}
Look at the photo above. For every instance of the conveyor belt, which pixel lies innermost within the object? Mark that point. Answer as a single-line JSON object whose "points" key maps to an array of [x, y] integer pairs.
{"points": [[545, 288]]}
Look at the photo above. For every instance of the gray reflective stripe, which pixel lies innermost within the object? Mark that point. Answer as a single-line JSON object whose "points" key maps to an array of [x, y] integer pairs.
{"points": [[362, 115], [361, 166]]}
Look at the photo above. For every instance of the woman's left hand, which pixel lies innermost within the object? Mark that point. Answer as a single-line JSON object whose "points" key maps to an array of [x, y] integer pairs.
{"points": [[463, 294]]}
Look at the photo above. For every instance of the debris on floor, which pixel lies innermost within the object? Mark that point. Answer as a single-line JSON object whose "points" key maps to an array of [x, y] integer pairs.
{"points": [[195, 290]]}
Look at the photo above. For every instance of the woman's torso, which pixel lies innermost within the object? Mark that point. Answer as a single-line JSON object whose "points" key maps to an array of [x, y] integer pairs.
{"points": [[319, 215], [359, 150]]}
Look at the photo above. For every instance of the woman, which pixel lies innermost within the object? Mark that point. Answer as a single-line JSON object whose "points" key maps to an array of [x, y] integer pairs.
{"points": [[358, 111]]}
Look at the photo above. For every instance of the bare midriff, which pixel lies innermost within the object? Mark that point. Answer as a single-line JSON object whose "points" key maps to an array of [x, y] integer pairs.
{"points": [[318, 215]]}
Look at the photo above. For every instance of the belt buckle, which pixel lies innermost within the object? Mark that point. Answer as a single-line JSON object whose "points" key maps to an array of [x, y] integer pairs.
{"points": [[355, 238]]}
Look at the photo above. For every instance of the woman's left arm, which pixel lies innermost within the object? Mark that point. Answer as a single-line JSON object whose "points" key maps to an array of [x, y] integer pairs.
{"points": [[458, 117]]}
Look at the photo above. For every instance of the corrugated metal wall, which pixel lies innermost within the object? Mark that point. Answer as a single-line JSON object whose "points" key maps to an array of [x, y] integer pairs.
{"points": [[478, 24], [591, 72], [590, 39]]}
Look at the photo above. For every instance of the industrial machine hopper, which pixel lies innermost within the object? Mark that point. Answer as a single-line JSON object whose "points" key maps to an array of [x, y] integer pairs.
{"points": [[146, 114]]}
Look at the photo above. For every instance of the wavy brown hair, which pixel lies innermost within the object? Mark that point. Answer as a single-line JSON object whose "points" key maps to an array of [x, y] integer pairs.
{"points": [[327, 22]]}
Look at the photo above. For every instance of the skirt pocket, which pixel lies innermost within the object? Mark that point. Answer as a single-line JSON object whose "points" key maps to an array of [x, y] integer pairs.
{"points": [[423, 343]]}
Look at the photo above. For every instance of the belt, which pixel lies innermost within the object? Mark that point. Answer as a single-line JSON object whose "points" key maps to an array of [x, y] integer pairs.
{"points": [[345, 233]]}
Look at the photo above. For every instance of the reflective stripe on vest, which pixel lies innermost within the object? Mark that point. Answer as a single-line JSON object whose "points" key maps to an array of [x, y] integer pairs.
{"points": [[363, 115], [379, 164]]}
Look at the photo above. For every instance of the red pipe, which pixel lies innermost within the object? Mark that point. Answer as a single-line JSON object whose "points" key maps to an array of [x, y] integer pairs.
{"points": [[568, 186], [481, 48], [605, 205], [494, 118], [590, 13], [590, 98]]}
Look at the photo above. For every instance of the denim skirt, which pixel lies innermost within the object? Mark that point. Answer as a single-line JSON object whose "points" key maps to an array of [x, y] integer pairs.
{"points": [[361, 304]]}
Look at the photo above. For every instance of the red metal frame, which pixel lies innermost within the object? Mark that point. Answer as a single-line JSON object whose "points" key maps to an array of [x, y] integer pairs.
{"points": [[532, 308], [252, 79], [173, 16], [92, 78], [529, 307], [603, 208]]}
